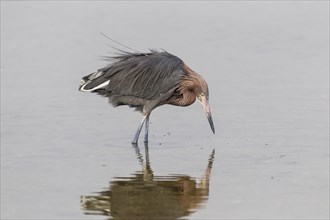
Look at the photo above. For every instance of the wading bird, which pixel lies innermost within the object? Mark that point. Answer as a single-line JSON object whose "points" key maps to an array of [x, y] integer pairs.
{"points": [[146, 81]]}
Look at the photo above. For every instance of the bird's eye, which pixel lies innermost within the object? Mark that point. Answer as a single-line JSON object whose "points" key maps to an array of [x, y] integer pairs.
{"points": [[201, 96]]}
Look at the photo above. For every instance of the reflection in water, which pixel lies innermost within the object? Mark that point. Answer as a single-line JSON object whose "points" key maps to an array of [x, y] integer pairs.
{"points": [[146, 196]]}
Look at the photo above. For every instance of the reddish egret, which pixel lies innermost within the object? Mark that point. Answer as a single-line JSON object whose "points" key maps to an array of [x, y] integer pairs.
{"points": [[146, 81]]}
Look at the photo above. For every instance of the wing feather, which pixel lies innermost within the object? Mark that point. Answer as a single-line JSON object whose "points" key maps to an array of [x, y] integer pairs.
{"points": [[143, 76]]}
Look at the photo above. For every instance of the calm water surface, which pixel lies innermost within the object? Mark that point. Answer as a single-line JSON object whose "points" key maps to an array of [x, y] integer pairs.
{"points": [[67, 155]]}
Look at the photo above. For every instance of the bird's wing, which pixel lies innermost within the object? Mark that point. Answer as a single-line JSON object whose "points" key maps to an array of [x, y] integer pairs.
{"points": [[145, 77]]}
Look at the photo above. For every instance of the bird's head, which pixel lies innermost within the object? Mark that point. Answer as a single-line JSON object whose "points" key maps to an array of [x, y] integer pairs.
{"points": [[196, 83]]}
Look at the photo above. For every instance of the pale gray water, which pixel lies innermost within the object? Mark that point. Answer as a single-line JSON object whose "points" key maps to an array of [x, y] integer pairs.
{"points": [[267, 66]]}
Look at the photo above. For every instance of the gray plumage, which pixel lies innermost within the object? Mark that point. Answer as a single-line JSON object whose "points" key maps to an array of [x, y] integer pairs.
{"points": [[140, 80], [146, 81]]}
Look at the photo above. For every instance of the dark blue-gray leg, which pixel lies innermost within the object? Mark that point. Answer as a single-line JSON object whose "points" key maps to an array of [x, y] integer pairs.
{"points": [[137, 134], [146, 129]]}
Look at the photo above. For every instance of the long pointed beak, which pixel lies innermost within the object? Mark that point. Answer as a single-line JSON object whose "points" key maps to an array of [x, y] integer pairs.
{"points": [[207, 109]]}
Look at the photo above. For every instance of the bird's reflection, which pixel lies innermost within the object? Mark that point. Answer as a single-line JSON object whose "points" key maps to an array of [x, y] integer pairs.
{"points": [[146, 196]]}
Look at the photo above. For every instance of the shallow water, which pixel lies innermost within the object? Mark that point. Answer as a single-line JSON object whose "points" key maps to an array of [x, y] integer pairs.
{"points": [[66, 154]]}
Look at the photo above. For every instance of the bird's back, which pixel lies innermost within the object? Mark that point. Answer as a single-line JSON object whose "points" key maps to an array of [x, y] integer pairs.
{"points": [[135, 79]]}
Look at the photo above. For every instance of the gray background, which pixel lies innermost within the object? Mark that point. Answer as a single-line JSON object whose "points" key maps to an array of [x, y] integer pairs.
{"points": [[267, 66]]}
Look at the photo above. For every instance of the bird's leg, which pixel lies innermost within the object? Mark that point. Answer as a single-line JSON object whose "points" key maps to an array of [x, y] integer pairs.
{"points": [[137, 134], [146, 129]]}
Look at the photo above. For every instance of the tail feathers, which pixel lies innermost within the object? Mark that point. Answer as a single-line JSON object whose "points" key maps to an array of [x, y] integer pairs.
{"points": [[93, 82]]}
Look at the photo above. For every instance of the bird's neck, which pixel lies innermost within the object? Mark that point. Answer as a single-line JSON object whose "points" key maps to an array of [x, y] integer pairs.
{"points": [[187, 98], [190, 86], [193, 80]]}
